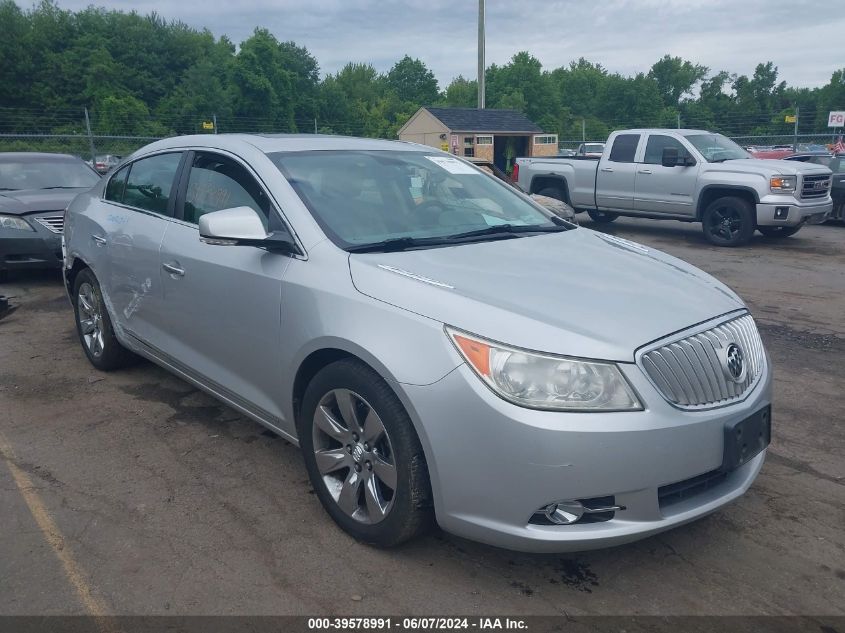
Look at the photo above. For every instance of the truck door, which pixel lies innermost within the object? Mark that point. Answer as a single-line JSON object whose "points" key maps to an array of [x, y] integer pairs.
{"points": [[617, 174], [660, 189]]}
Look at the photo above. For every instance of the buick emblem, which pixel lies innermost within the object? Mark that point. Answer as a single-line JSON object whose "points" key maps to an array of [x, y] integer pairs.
{"points": [[734, 363]]}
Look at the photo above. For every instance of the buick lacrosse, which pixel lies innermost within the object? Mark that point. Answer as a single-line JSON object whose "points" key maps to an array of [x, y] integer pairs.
{"points": [[439, 346]]}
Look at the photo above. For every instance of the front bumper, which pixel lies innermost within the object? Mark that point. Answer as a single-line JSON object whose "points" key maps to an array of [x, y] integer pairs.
{"points": [[787, 211], [21, 250], [493, 464]]}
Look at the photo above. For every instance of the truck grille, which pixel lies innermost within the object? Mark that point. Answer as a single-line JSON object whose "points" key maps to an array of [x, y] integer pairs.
{"points": [[692, 372], [815, 186], [54, 223]]}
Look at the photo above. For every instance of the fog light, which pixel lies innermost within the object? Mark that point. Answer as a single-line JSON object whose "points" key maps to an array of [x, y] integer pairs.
{"points": [[781, 213], [565, 512]]}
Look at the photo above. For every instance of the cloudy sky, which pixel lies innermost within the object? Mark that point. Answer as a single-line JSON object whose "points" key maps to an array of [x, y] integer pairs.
{"points": [[804, 38]]}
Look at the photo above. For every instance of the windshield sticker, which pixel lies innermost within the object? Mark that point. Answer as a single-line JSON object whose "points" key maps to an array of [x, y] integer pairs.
{"points": [[453, 165]]}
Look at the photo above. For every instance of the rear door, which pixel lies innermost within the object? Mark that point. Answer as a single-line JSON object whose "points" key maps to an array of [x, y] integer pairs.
{"points": [[617, 174], [669, 190], [139, 203], [223, 303]]}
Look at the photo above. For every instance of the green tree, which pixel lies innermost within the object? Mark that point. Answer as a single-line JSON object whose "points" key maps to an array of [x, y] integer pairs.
{"points": [[676, 78], [413, 82]]}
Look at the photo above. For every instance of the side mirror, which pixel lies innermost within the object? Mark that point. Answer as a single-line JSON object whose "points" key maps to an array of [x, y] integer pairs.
{"points": [[670, 157], [241, 226]]}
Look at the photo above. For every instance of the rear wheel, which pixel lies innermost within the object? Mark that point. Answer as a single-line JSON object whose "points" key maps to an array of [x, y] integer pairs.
{"points": [[94, 327], [552, 192], [363, 456], [602, 217], [728, 221], [779, 231]]}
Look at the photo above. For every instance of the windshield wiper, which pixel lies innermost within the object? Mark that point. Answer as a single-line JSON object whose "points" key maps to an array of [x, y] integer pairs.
{"points": [[396, 244], [507, 229], [498, 231]]}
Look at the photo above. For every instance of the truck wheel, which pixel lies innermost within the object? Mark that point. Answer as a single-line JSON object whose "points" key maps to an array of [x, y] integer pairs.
{"points": [[552, 192], [779, 231], [728, 221], [602, 217]]}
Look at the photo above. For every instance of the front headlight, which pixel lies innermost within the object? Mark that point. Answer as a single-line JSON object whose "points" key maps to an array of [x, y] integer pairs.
{"points": [[15, 223], [783, 184], [542, 381]]}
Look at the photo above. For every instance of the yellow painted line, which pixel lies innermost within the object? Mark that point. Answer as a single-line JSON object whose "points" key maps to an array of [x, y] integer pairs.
{"points": [[93, 604]]}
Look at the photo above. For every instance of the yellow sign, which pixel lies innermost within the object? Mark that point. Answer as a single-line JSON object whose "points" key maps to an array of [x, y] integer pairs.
{"points": [[790, 118], [444, 147], [207, 125]]}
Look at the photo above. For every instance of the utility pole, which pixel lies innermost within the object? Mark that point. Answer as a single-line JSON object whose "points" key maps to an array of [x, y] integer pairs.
{"points": [[215, 123], [481, 87], [315, 125], [795, 132], [90, 139], [679, 120], [583, 130]]}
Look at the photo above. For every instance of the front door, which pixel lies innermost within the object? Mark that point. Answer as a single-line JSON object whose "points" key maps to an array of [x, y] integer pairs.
{"points": [[669, 190], [223, 316]]}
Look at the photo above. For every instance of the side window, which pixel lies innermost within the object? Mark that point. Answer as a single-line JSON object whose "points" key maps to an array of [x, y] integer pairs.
{"points": [[216, 183], [150, 182], [116, 185], [624, 148], [655, 146]]}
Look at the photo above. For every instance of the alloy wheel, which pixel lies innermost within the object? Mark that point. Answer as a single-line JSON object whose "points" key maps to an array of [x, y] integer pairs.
{"points": [[90, 315], [354, 456], [725, 222]]}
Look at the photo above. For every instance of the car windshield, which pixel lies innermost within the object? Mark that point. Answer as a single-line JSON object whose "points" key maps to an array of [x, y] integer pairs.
{"points": [[594, 149], [16, 174], [717, 148], [364, 199]]}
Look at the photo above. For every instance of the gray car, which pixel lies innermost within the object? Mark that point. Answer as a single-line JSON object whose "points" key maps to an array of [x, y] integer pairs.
{"points": [[439, 345], [35, 188]]}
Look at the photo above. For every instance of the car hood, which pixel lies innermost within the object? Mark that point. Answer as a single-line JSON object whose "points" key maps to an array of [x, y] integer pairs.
{"points": [[26, 201], [578, 293], [767, 167]]}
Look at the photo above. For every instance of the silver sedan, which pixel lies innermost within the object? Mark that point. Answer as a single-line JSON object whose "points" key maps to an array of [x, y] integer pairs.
{"points": [[441, 347]]}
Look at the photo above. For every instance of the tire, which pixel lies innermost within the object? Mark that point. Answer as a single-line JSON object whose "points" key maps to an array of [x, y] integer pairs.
{"points": [[602, 217], [728, 221], [361, 461], [94, 326], [552, 192], [779, 231]]}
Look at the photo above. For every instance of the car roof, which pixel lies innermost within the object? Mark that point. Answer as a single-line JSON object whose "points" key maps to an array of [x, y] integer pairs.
{"points": [[269, 143], [36, 156]]}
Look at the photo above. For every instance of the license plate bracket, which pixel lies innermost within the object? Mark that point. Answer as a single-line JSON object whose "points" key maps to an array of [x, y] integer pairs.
{"points": [[746, 438]]}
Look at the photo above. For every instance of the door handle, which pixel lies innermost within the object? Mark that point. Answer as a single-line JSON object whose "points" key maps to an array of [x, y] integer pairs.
{"points": [[645, 171], [608, 169], [174, 270], [99, 240]]}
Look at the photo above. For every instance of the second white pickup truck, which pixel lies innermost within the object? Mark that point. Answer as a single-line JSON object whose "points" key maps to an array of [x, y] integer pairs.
{"points": [[690, 175]]}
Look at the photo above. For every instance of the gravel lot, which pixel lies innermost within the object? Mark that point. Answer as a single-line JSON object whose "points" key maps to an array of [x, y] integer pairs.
{"points": [[133, 493]]}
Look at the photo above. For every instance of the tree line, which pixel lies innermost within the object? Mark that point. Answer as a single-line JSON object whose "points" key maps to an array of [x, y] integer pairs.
{"points": [[143, 75]]}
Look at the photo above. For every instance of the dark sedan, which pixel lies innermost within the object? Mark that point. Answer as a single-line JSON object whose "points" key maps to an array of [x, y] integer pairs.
{"points": [[35, 188], [836, 164]]}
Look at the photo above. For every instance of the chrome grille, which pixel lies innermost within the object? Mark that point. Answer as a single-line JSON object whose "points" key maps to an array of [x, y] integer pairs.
{"points": [[691, 372], [815, 186], [54, 223]]}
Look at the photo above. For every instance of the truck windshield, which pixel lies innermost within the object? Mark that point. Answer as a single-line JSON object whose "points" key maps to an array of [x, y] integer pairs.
{"points": [[364, 199], [717, 148]]}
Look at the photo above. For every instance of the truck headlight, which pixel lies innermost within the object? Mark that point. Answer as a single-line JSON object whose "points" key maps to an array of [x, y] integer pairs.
{"points": [[544, 381], [15, 223], [783, 184]]}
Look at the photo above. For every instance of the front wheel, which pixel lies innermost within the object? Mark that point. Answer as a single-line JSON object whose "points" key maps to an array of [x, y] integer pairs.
{"points": [[363, 456], [602, 217], [779, 231], [728, 221]]}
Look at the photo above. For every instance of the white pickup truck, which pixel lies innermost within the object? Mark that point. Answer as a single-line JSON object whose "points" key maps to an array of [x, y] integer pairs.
{"points": [[690, 175]]}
